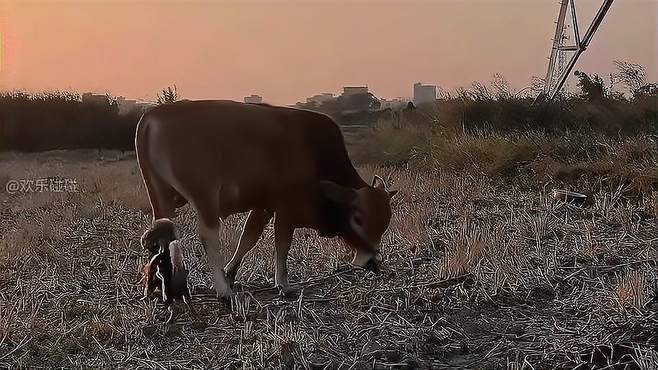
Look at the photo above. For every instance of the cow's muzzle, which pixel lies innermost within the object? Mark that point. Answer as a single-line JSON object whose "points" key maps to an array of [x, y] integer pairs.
{"points": [[369, 261], [373, 266]]}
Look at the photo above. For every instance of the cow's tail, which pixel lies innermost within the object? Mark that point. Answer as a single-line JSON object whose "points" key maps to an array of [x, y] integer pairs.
{"points": [[163, 197]]}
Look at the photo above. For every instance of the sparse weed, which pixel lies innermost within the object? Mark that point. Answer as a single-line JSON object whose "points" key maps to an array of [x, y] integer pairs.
{"points": [[632, 289]]}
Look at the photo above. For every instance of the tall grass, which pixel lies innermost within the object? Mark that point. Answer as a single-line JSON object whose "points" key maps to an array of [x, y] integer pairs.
{"points": [[528, 158]]}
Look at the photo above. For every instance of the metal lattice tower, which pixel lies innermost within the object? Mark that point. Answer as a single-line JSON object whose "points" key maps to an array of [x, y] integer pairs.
{"points": [[567, 44]]}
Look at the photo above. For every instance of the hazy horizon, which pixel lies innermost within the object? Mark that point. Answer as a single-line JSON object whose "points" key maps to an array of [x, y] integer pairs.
{"points": [[286, 51]]}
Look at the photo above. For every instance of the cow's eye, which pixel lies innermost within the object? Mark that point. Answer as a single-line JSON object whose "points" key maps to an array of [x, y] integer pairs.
{"points": [[358, 220]]}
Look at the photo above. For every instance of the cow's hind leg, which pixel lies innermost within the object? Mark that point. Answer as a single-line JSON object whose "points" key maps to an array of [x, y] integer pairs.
{"points": [[163, 198], [253, 228]]}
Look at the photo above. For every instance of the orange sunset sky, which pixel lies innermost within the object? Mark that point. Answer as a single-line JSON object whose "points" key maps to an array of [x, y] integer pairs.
{"points": [[288, 50]]}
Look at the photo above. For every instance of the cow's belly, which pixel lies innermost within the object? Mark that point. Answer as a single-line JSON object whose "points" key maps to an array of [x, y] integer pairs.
{"points": [[234, 198]]}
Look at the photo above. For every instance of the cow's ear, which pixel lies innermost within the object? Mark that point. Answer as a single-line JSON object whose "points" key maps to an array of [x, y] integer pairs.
{"points": [[337, 193], [378, 183]]}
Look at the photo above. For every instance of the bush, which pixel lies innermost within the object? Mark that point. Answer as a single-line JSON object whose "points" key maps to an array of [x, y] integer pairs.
{"points": [[60, 120]]}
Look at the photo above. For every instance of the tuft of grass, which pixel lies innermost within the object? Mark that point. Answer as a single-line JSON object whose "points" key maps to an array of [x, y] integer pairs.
{"points": [[463, 251], [632, 289]]}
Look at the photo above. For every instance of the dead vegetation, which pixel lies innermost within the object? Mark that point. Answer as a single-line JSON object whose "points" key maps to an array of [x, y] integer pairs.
{"points": [[477, 275], [527, 159]]}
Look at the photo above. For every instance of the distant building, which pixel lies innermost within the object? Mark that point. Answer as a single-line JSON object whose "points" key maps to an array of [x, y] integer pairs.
{"points": [[424, 93], [354, 90], [394, 104], [91, 98], [124, 105], [320, 98], [144, 105], [127, 105], [253, 99]]}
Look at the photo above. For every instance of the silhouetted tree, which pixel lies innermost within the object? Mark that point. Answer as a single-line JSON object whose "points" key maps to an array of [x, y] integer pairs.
{"points": [[168, 95], [501, 87], [648, 90], [631, 75], [592, 87]]}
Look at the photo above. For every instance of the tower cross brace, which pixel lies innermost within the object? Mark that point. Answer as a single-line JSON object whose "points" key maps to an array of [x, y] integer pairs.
{"points": [[557, 73]]}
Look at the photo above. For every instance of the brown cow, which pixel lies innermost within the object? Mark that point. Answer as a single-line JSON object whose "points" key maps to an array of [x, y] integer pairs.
{"points": [[225, 157]]}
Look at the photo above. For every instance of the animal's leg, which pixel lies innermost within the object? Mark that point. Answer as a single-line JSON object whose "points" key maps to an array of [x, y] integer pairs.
{"points": [[162, 196], [252, 230], [188, 302], [283, 233], [209, 235], [171, 317]]}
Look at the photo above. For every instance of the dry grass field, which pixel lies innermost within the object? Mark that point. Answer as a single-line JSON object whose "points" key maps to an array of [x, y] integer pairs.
{"points": [[477, 275]]}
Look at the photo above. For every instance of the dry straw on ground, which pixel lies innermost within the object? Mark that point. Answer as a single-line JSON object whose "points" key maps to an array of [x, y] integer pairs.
{"points": [[476, 275]]}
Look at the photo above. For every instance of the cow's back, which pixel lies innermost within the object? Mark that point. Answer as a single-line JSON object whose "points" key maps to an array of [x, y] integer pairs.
{"points": [[258, 150]]}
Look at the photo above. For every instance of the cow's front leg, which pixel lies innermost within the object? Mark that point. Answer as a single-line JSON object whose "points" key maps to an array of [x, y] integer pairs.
{"points": [[283, 233], [210, 238], [253, 228]]}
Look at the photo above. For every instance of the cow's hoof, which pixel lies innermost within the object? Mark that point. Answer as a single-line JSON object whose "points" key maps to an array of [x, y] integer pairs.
{"points": [[343, 268], [172, 316], [230, 278], [225, 296], [287, 291], [188, 302]]}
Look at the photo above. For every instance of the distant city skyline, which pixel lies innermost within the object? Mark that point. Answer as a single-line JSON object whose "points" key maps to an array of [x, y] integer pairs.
{"points": [[287, 51]]}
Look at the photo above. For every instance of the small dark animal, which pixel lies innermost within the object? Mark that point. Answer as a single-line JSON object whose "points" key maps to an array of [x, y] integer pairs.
{"points": [[165, 270]]}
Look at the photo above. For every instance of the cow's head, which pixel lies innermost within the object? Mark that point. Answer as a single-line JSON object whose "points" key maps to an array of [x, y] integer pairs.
{"points": [[165, 260], [368, 216]]}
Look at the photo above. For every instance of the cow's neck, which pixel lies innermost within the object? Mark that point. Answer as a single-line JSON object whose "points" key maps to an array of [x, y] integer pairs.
{"points": [[331, 218], [349, 177]]}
